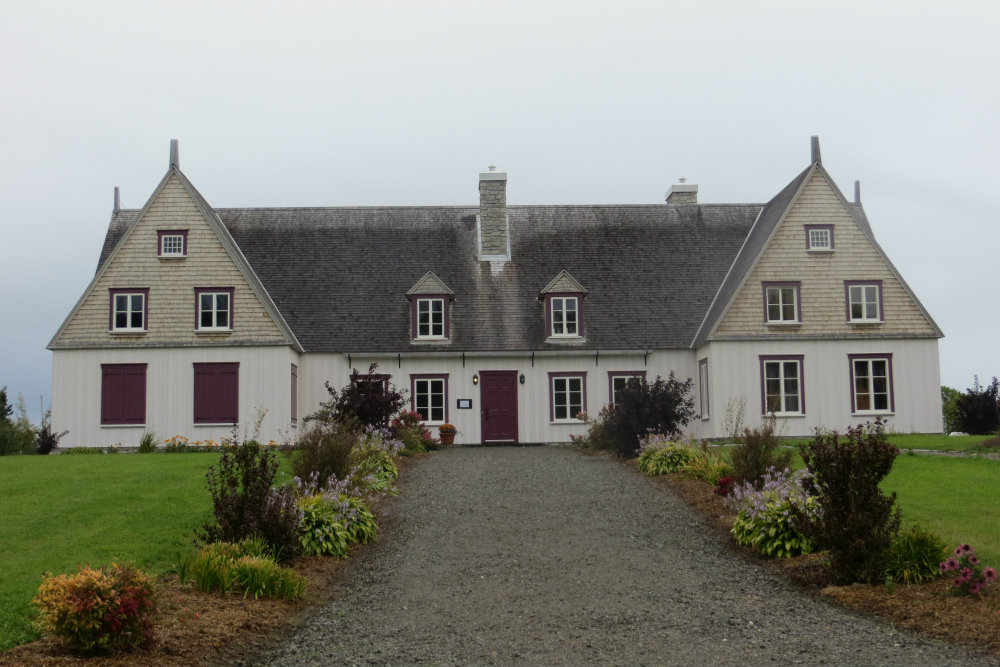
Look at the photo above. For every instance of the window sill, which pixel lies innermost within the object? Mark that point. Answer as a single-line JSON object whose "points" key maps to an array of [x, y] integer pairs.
{"points": [[171, 257], [430, 341], [565, 340], [783, 324], [213, 332], [214, 424], [128, 332], [865, 323], [874, 413], [557, 422], [820, 251], [123, 426]]}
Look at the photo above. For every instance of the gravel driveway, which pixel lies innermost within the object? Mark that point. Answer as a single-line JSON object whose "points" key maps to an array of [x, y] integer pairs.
{"points": [[547, 556]]}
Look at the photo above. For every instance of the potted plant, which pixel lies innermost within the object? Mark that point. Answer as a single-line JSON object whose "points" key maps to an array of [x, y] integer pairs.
{"points": [[447, 433]]}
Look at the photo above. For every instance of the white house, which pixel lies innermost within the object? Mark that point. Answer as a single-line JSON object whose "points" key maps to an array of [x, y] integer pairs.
{"points": [[507, 321]]}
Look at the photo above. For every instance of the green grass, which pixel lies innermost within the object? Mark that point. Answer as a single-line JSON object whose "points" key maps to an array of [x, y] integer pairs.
{"points": [[955, 498], [64, 511]]}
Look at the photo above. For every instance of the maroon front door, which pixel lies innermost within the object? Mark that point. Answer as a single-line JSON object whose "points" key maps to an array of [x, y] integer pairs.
{"points": [[498, 396]]}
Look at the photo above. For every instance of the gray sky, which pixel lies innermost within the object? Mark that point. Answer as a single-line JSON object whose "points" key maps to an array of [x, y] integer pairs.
{"points": [[392, 103]]}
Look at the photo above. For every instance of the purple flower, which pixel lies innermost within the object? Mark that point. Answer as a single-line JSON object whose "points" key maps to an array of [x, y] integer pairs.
{"points": [[990, 575], [973, 560], [959, 582], [974, 588], [950, 564], [963, 550]]}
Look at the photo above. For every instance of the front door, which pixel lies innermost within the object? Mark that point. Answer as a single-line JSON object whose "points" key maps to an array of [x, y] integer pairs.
{"points": [[498, 398]]}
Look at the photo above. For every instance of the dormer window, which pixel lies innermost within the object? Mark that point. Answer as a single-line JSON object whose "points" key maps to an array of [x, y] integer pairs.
{"points": [[819, 238], [563, 299], [171, 243], [430, 306]]}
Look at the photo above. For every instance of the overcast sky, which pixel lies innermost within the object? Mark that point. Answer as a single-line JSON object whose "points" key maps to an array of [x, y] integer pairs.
{"points": [[395, 103]]}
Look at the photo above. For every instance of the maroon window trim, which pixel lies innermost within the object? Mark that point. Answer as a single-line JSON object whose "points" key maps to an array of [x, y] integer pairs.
{"points": [[413, 393], [552, 392], [798, 300], [295, 394], [887, 357], [809, 228], [124, 291], [216, 393], [848, 284], [579, 313], [618, 374], [415, 315], [123, 394], [764, 359], [160, 233], [198, 291]]}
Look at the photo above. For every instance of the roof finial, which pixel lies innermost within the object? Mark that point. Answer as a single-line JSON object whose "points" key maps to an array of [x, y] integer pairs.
{"points": [[816, 157], [175, 160], [118, 200], [493, 167]]}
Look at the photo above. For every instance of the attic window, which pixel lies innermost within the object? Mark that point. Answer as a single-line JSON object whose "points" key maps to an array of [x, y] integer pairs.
{"points": [[819, 238], [171, 243], [564, 316], [430, 317]]}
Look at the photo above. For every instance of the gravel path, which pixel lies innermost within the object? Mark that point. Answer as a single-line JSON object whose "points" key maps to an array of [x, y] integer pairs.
{"points": [[547, 556]]}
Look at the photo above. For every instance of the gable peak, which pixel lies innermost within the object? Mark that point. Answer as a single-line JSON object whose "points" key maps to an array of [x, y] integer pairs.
{"points": [[564, 282], [430, 283]]}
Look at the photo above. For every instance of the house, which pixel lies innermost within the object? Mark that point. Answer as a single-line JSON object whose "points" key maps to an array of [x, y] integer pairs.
{"points": [[506, 320]]}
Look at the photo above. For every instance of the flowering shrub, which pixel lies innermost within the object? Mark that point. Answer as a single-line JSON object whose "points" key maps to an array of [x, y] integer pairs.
{"points": [[332, 519], [98, 610], [596, 436], [973, 577], [659, 455], [724, 486], [764, 515], [410, 431]]}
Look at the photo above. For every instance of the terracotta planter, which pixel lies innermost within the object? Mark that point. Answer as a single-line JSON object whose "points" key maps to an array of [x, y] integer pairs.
{"points": [[447, 438]]}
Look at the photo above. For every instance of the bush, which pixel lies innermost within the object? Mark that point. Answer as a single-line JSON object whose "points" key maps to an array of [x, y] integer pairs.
{"points": [[245, 504], [708, 466], [915, 557], [973, 577], [148, 443], [764, 514], [597, 436], [641, 407], [857, 523], [725, 486], [17, 435], [325, 450], [978, 409], [756, 452], [409, 430], [660, 455], [370, 399], [373, 470], [332, 519], [98, 610], [247, 566]]}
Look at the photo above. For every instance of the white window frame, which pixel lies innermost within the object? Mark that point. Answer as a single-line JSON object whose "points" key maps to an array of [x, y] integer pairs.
{"points": [[562, 394], [703, 394], [213, 294], [558, 305], [614, 377], [865, 385], [867, 296], [780, 293], [782, 364], [172, 245], [424, 389], [819, 238], [435, 319], [131, 308]]}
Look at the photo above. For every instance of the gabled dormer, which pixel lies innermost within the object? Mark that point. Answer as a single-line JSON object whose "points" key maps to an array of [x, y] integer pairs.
{"points": [[430, 310], [563, 301]]}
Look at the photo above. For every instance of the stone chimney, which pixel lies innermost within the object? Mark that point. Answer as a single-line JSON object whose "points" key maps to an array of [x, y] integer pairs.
{"points": [[682, 192], [494, 242]]}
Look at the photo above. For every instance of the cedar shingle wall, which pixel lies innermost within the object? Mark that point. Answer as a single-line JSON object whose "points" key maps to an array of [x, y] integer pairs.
{"points": [[822, 276], [171, 284]]}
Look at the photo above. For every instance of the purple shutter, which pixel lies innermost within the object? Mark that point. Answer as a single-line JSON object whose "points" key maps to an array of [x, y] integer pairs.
{"points": [[123, 393], [216, 393]]}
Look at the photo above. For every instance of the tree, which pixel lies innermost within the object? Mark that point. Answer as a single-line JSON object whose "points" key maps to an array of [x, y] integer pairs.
{"points": [[6, 409], [979, 409], [369, 399], [949, 408], [641, 407]]}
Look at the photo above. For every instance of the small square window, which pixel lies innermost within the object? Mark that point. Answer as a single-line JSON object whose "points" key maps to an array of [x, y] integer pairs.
{"points": [[819, 238], [171, 243]]}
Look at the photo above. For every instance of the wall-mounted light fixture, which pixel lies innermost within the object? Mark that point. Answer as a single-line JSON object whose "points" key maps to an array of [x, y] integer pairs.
{"points": [[475, 379], [521, 379]]}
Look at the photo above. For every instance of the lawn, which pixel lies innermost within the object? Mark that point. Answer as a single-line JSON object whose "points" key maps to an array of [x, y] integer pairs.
{"points": [[61, 511]]}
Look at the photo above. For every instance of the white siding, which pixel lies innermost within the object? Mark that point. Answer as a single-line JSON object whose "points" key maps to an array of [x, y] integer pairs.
{"points": [[734, 369], [264, 382]]}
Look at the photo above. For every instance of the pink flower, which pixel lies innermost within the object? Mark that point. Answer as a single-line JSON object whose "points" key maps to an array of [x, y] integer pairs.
{"points": [[974, 588], [958, 584], [990, 575], [973, 560], [950, 564]]}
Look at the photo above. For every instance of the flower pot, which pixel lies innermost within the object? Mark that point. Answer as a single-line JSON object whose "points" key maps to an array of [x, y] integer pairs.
{"points": [[447, 438]]}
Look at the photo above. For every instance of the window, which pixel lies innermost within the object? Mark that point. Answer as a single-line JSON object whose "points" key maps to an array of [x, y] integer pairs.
{"points": [[703, 387], [871, 383], [430, 318], [568, 397], [819, 238], [430, 397], [128, 309], [781, 303], [564, 316], [295, 395], [123, 394], [216, 393], [215, 308], [864, 301], [781, 385], [618, 380], [171, 243]]}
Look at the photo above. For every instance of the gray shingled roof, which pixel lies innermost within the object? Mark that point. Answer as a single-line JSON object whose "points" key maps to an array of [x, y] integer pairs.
{"points": [[339, 276]]}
